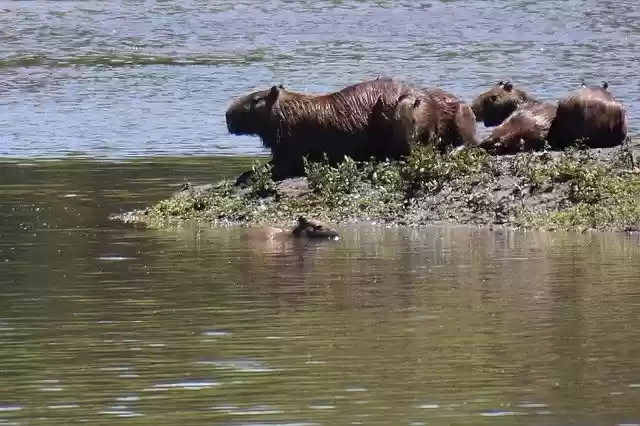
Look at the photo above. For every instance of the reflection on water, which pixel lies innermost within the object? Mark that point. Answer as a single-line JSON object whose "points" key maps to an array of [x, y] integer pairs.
{"points": [[113, 79], [101, 322]]}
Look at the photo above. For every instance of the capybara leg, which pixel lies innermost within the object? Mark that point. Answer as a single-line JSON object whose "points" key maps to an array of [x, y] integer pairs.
{"points": [[244, 178], [282, 170], [465, 121]]}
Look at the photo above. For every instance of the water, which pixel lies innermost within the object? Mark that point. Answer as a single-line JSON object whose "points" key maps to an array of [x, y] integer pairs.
{"points": [[119, 79], [103, 323]]}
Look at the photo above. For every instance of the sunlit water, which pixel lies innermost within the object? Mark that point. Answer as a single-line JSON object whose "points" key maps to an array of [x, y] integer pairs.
{"points": [[102, 323], [114, 79]]}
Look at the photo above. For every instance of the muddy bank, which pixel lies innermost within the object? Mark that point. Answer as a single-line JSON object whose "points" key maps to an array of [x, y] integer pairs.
{"points": [[576, 189]]}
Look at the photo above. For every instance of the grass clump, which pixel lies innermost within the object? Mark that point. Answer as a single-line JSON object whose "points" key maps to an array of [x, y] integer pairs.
{"points": [[261, 183]]}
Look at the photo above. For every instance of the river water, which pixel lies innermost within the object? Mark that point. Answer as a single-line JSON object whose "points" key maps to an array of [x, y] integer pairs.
{"points": [[123, 78], [104, 323]]}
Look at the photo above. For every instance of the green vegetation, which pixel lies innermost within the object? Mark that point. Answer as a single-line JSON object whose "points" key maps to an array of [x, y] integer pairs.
{"points": [[575, 189]]}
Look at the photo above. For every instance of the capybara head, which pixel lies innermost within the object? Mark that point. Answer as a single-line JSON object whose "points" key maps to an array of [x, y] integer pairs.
{"points": [[250, 114], [497, 103], [404, 118], [310, 228]]}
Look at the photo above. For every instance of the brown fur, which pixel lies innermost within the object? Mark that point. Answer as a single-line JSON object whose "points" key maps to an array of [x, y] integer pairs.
{"points": [[432, 117], [311, 228], [524, 130], [306, 228], [295, 125], [442, 94], [591, 114], [496, 104]]}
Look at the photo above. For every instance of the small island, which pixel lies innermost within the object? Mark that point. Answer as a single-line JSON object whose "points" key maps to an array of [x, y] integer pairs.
{"points": [[575, 189]]}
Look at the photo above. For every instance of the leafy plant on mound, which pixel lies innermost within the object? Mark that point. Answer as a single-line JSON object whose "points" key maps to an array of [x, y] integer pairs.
{"points": [[429, 171], [595, 193]]}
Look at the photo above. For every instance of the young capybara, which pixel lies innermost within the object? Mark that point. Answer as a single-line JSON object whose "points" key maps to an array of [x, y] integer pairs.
{"points": [[524, 130], [591, 115], [294, 125], [496, 104], [523, 122], [311, 228], [306, 228], [432, 117]]}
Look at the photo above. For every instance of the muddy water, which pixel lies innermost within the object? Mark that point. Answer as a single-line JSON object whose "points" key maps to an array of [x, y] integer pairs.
{"points": [[104, 324], [113, 78]]}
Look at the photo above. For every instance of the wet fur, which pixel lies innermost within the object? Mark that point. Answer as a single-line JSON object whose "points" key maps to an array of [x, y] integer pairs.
{"points": [[294, 125], [432, 117], [524, 130], [499, 102], [591, 114], [311, 228], [306, 228]]}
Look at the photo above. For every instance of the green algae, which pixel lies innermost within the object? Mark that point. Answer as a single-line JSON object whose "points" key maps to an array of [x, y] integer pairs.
{"points": [[575, 189]]}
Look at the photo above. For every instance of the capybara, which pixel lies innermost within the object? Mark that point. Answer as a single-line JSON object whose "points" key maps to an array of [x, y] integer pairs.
{"points": [[496, 104], [442, 94], [432, 117], [311, 228], [306, 228], [524, 130], [592, 115], [294, 125]]}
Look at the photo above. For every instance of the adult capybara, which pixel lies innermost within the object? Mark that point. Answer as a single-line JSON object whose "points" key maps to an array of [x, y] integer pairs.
{"points": [[591, 115], [294, 125], [496, 104], [526, 129], [432, 117]]}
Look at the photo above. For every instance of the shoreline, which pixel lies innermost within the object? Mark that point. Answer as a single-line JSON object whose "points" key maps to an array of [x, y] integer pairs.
{"points": [[572, 190], [170, 158]]}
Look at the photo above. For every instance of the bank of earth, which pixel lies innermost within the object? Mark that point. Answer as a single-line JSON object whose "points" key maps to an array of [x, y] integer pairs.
{"points": [[576, 189]]}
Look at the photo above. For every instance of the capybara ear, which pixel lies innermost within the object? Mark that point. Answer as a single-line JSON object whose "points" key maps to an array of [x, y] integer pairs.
{"points": [[508, 86], [274, 92], [281, 86], [500, 83], [583, 84], [416, 103], [605, 85], [402, 97]]}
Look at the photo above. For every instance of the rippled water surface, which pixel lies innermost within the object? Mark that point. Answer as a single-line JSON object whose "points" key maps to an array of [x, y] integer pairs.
{"points": [[104, 324], [129, 78]]}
